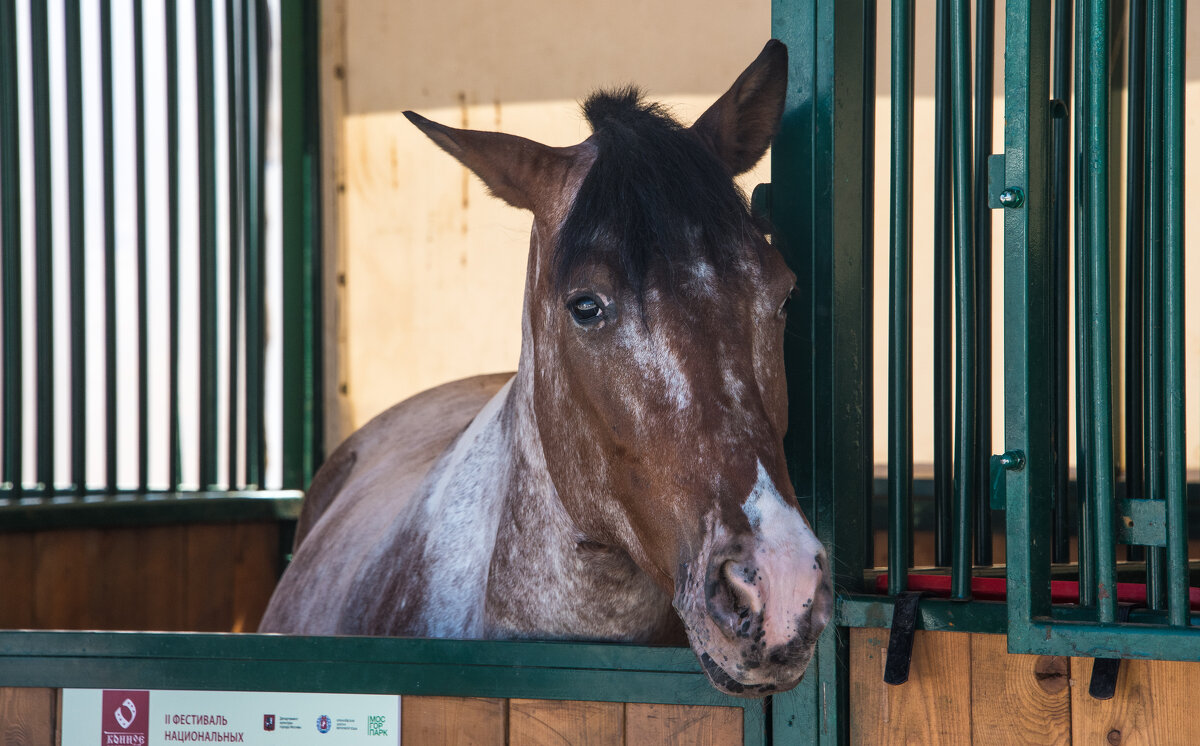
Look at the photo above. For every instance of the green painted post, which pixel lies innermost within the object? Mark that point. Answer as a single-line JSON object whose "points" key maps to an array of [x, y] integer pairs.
{"points": [[1028, 379], [943, 308], [233, 124], [74, 80], [43, 243], [1173, 379], [252, 228], [206, 193], [299, 145], [172, 39], [143, 256], [10, 253], [900, 425], [818, 178]]}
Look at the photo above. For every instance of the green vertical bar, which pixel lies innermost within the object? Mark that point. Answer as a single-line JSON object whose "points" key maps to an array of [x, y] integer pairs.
{"points": [[1060, 288], [143, 345], [234, 197], [207, 240], [1087, 545], [252, 168], [966, 399], [817, 199], [985, 52], [1173, 207], [1028, 379], [110, 252], [172, 32], [1098, 388], [299, 244], [1152, 297], [74, 76], [943, 307], [43, 243], [900, 426], [1134, 213], [10, 252]]}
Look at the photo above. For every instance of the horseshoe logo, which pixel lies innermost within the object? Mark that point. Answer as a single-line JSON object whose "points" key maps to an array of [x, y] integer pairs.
{"points": [[119, 713]]}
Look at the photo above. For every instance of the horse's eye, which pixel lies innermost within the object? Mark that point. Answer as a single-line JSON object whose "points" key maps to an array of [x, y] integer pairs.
{"points": [[783, 307], [585, 309]]}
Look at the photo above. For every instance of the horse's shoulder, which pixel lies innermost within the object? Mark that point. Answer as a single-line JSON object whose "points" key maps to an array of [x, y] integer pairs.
{"points": [[407, 437]]}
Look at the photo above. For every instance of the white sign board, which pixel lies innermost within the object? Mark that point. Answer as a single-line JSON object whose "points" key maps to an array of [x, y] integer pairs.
{"points": [[140, 717]]}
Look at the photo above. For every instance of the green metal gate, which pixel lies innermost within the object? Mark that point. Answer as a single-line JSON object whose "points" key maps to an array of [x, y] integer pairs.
{"points": [[1049, 597]]}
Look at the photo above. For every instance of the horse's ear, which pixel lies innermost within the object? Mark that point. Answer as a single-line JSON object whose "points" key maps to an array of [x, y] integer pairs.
{"points": [[519, 171], [740, 125]]}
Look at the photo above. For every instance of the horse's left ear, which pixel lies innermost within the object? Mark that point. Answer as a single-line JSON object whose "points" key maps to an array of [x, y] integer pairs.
{"points": [[740, 125], [521, 172]]}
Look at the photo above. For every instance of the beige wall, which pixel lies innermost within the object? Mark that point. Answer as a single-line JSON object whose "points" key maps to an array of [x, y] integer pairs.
{"points": [[433, 267]]}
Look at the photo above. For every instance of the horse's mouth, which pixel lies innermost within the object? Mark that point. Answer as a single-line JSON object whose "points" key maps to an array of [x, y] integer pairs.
{"points": [[726, 683]]}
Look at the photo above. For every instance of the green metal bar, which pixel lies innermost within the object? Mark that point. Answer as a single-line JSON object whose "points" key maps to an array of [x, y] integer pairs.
{"points": [[900, 435], [1173, 379], [966, 399], [172, 35], [985, 53], [1098, 388], [1152, 297], [11, 384], [233, 125], [870, 53], [253, 129], [943, 308], [143, 334], [110, 250], [299, 241], [1134, 216], [1087, 544], [1060, 217], [1028, 378], [206, 194], [74, 80], [43, 242]]}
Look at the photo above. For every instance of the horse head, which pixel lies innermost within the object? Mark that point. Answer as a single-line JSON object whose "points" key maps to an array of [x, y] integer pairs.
{"points": [[653, 340]]}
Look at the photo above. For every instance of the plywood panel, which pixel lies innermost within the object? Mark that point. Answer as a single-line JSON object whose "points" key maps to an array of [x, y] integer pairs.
{"points": [[16, 566], [161, 557], [64, 578], [27, 716], [1155, 703], [255, 572], [208, 576], [1018, 699], [933, 708], [453, 721], [682, 725], [539, 722]]}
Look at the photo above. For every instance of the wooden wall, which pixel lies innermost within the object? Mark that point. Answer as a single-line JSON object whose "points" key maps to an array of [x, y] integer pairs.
{"points": [[30, 717], [198, 577], [966, 689]]}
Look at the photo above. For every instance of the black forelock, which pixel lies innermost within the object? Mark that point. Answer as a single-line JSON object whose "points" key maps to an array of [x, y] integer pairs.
{"points": [[655, 198]]}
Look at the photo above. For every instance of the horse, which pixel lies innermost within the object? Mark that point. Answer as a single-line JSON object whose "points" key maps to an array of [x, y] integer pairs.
{"points": [[628, 482]]}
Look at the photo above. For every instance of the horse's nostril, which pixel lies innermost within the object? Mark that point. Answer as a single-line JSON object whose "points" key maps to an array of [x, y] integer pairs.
{"points": [[743, 582]]}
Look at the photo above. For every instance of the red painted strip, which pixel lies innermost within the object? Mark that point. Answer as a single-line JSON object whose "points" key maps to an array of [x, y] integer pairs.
{"points": [[996, 589]]}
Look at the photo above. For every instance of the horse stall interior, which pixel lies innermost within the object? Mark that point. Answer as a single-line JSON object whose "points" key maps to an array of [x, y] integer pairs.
{"points": [[972, 495]]}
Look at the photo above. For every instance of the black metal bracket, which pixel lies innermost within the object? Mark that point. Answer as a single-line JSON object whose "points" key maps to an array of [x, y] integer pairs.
{"points": [[900, 644], [1105, 670]]}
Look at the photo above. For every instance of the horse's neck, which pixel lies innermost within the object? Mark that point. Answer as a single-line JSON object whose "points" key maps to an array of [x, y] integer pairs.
{"points": [[546, 578]]}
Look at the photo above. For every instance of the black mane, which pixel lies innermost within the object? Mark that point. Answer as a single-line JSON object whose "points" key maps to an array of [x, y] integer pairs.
{"points": [[655, 198]]}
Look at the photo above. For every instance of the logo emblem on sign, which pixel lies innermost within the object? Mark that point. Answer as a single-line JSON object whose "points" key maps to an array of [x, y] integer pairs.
{"points": [[124, 718], [324, 724], [268, 722]]}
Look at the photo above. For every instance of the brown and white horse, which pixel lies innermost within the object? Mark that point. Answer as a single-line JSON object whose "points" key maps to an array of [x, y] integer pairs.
{"points": [[628, 482]]}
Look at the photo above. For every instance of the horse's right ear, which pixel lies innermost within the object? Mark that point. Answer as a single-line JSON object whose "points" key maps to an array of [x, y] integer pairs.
{"points": [[521, 172], [739, 127]]}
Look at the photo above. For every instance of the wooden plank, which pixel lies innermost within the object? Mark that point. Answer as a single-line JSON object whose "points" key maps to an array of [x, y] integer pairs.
{"points": [[682, 725], [16, 567], [1018, 699], [64, 567], [933, 708], [541, 722], [27, 716], [453, 721], [1154, 704], [118, 596], [208, 578], [161, 555], [255, 572]]}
